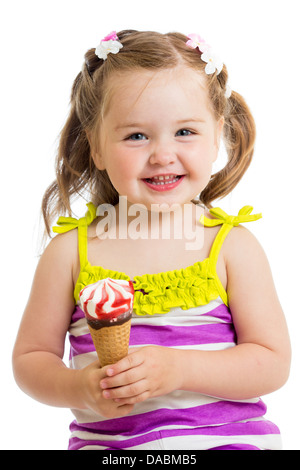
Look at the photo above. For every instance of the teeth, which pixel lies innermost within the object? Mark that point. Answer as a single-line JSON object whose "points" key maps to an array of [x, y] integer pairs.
{"points": [[158, 180], [161, 177]]}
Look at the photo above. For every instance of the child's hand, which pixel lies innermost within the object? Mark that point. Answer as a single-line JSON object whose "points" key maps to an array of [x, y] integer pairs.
{"points": [[91, 393], [146, 372]]}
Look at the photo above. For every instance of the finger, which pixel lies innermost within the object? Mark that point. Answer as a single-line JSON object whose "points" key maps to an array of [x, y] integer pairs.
{"points": [[133, 359], [124, 378], [128, 391]]}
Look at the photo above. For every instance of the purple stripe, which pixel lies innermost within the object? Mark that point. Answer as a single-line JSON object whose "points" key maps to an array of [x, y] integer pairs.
{"points": [[221, 312], [78, 314], [167, 335], [228, 430], [81, 345], [236, 447], [203, 415]]}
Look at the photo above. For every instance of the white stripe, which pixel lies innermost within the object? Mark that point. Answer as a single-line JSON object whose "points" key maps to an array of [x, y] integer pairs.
{"points": [[178, 399], [267, 441], [79, 328], [184, 320], [195, 347], [82, 360], [196, 442]]}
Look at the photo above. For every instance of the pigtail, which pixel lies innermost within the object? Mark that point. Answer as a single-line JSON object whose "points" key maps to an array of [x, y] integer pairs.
{"points": [[71, 167], [239, 137], [75, 170]]}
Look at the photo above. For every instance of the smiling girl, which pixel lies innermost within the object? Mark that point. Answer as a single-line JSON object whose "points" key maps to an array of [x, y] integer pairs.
{"points": [[208, 333]]}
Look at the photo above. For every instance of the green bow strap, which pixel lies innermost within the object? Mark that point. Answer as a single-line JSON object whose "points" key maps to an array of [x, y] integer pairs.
{"points": [[244, 215], [65, 224]]}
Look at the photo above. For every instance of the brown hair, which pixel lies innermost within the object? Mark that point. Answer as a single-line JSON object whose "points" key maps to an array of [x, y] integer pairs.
{"points": [[75, 169]]}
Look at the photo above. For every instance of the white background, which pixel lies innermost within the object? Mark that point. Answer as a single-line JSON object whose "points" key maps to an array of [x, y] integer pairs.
{"points": [[42, 46]]}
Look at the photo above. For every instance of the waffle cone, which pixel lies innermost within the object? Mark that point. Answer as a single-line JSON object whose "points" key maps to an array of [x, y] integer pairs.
{"points": [[111, 342]]}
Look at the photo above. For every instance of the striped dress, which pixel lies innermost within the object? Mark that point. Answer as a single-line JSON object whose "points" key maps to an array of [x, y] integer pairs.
{"points": [[183, 309]]}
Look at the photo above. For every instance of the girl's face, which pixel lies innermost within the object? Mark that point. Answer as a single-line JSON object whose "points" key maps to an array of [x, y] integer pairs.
{"points": [[159, 138]]}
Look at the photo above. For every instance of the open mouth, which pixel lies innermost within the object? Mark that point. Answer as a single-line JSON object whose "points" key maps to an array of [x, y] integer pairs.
{"points": [[163, 182], [168, 179]]}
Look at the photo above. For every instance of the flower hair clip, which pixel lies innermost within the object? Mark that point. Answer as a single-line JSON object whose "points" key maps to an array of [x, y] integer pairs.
{"points": [[213, 62], [108, 45]]}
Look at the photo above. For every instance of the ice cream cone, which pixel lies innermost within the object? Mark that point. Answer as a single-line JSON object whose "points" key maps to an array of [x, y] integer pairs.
{"points": [[107, 305], [111, 343]]}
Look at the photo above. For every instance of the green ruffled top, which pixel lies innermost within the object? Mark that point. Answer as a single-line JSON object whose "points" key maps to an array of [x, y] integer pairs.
{"points": [[186, 288]]}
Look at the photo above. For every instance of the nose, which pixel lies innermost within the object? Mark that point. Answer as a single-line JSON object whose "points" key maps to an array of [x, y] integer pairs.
{"points": [[162, 154]]}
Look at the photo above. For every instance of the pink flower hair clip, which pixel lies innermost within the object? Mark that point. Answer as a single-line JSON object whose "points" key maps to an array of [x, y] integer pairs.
{"points": [[208, 56], [197, 41], [108, 45]]}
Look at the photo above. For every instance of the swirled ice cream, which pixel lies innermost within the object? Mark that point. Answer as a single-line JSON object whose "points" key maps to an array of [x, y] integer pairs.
{"points": [[107, 305], [107, 302]]}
